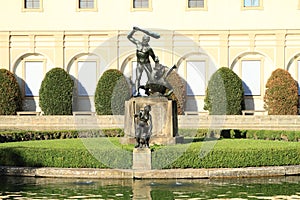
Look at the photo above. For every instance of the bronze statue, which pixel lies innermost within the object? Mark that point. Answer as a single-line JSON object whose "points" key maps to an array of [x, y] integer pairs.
{"points": [[157, 84], [143, 52], [143, 127]]}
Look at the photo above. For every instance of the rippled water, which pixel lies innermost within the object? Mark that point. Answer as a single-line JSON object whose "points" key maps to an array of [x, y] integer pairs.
{"points": [[49, 188]]}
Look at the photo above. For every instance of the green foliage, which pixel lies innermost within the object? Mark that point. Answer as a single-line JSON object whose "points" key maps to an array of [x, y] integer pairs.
{"points": [[292, 136], [228, 153], [196, 133], [10, 94], [56, 93], [63, 153], [108, 152], [23, 135], [281, 96], [19, 135], [179, 91], [224, 93], [111, 93]]}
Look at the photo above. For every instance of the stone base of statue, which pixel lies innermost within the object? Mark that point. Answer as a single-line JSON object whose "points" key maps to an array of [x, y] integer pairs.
{"points": [[164, 120], [141, 159]]}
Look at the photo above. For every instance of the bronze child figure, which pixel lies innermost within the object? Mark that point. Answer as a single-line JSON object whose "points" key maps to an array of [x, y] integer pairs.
{"points": [[143, 127]]}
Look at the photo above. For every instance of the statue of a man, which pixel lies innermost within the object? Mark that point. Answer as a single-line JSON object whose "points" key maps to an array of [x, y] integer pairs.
{"points": [[143, 54], [143, 127]]}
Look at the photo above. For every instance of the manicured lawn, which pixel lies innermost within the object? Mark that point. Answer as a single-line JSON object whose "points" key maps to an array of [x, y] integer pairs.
{"points": [[109, 153]]}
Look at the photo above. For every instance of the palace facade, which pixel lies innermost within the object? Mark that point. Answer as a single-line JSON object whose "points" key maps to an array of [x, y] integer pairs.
{"points": [[87, 37]]}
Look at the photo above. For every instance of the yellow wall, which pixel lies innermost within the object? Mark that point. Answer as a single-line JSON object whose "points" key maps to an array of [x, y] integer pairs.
{"points": [[167, 14], [224, 34]]}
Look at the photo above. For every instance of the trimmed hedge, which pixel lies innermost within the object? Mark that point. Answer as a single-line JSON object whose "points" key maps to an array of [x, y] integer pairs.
{"points": [[56, 93], [189, 134], [19, 135], [179, 91], [64, 153], [108, 153], [226, 154], [224, 93], [111, 93], [281, 96], [292, 136], [10, 94]]}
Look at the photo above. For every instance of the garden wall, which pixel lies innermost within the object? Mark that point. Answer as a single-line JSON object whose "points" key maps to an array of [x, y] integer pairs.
{"points": [[266, 122]]}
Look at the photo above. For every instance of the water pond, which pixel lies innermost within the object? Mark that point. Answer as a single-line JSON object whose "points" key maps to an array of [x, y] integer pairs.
{"points": [[52, 188]]}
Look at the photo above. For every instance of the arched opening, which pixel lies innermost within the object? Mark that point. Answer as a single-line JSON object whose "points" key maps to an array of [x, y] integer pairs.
{"points": [[85, 71], [30, 70], [254, 68]]}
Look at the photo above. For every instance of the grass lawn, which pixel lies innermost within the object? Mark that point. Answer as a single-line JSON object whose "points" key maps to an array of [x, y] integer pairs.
{"points": [[109, 153]]}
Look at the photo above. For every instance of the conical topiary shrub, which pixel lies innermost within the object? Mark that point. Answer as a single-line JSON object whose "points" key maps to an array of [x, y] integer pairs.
{"points": [[179, 94], [56, 93], [111, 93], [10, 94], [281, 96], [224, 93]]}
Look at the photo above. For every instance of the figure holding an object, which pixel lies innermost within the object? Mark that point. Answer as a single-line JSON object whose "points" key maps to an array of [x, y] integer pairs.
{"points": [[143, 127], [143, 53]]}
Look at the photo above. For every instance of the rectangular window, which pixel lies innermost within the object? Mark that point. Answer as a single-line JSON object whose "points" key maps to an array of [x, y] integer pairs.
{"points": [[87, 78], [34, 74], [86, 4], [140, 4], [33, 5], [195, 3], [251, 77], [251, 3], [196, 77]]}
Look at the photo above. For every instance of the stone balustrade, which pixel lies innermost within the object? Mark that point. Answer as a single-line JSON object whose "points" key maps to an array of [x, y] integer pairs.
{"points": [[267, 122]]}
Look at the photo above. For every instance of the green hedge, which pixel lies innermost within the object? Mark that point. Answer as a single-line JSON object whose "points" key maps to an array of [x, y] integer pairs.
{"points": [[227, 154], [65, 158], [284, 135], [293, 136], [109, 153], [189, 134], [56, 93], [10, 94], [22, 135], [224, 93], [65, 153], [111, 93]]}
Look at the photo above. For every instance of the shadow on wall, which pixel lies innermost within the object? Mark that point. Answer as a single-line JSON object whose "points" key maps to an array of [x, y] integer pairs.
{"points": [[191, 104], [248, 98], [29, 103], [81, 100]]}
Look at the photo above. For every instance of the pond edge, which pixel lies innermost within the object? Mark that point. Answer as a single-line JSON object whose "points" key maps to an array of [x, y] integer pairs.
{"points": [[151, 174]]}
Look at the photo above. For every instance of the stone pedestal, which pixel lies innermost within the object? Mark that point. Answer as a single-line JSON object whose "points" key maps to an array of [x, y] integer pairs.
{"points": [[141, 159], [164, 120]]}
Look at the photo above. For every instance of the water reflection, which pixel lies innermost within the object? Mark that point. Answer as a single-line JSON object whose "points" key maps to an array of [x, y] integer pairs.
{"points": [[50, 188]]}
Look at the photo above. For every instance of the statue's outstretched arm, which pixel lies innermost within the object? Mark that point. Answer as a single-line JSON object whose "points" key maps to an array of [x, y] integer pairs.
{"points": [[150, 33], [131, 38]]}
